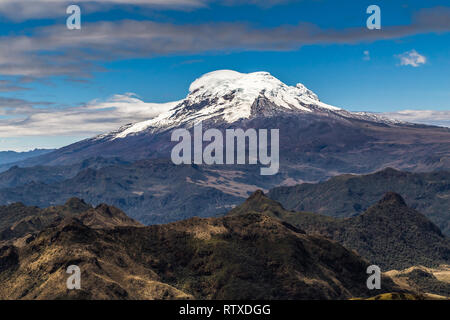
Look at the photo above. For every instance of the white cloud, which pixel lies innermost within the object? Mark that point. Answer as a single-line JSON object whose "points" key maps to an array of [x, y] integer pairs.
{"points": [[366, 55], [19, 10], [412, 58], [91, 119], [430, 117]]}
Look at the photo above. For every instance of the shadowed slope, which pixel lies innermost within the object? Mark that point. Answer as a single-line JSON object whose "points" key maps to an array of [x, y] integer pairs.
{"points": [[348, 195], [31, 220], [388, 234], [248, 256]]}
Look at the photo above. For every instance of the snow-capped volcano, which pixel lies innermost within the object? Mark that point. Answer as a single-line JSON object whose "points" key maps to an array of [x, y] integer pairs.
{"points": [[236, 92], [316, 140], [229, 96]]}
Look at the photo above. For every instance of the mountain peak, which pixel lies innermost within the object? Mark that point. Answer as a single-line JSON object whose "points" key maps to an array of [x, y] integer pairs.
{"points": [[230, 80], [393, 198], [228, 96], [236, 93], [258, 202], [256, 195], [76, 204]]}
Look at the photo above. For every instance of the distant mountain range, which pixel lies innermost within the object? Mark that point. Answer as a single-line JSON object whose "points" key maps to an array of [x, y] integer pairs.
{"points": [[152, 191], [157, 191], [351, 195], [12, 156]]}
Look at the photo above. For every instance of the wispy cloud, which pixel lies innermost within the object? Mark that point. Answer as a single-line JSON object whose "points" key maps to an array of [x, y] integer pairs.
{"points": [[93, 118], [430, 117], [411, 58], [10, 86], [14, 106], [18, 10], [55, 50], [98, 116]]}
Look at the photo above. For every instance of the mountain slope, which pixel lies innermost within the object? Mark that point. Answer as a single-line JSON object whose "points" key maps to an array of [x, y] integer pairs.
{"points": [[152, 191], [249, 256], [432, 282], [388, 234], [18, 221], [348, 195], [15, 176]]}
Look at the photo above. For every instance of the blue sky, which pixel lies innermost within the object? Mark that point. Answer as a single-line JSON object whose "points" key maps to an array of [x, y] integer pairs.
{"points": [[58, 86]]}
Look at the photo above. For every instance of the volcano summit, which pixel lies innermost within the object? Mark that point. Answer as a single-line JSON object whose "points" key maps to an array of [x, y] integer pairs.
{"points": [[312, 133]]}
